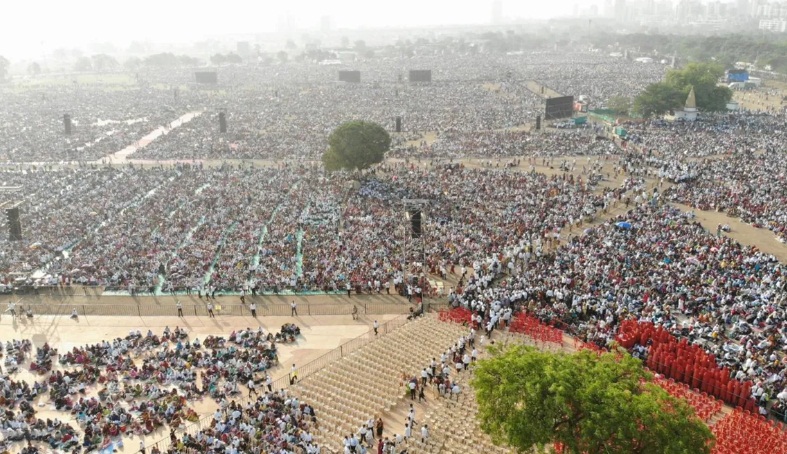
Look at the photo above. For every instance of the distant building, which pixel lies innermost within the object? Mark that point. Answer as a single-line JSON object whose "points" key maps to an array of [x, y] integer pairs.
{"points": [[773, 25], [325, 24], [620, 9], [243, 48], [497, 12]]}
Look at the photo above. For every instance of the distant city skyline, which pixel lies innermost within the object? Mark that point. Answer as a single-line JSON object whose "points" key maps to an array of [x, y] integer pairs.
{"points": [[35, 26]]}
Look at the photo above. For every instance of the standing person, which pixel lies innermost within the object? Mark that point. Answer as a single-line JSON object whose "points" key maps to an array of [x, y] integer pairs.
{"points": [[251, 387], [370, 430], [378, 427], [375, 326], [424, 433], [411, 386], [408, 431], [355, 312], [349, 288], [74, 313], [253, 309], [293, 309], [12, 309], [179, 305], [210, 310], [269, 383], [142, 446], [293, 375]]}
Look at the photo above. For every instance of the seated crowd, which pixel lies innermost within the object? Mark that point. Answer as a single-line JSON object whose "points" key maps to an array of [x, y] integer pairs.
{"points": [[110, 395]]}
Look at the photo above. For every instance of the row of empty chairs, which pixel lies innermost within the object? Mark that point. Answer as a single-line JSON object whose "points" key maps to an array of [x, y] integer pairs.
{"points": [[742, 432], [369, 382], [454, 425], [706, 406]]}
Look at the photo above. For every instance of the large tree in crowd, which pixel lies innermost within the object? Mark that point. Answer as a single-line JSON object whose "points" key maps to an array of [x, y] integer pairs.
{"points": [[4, 65], [670, 94], [587, 402], [356, 145], [658, 99]]}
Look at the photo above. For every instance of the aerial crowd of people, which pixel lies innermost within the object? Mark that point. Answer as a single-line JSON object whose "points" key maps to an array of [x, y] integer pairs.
{"points": [[515, 238]]}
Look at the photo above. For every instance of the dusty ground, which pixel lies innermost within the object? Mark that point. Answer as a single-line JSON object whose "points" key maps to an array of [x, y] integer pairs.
{"points": [[319, 335]]}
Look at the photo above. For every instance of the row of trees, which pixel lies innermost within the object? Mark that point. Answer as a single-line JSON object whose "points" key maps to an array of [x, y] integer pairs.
{"points": [[588, 403], [671, 93], [770, 50]]}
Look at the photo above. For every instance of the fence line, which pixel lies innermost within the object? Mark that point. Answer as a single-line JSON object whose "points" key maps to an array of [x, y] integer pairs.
{"points": [[201, 310], [302, 372]]}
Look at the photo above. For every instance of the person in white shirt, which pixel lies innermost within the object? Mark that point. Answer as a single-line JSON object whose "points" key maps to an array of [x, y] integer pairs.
{"points": [[424, 433]]}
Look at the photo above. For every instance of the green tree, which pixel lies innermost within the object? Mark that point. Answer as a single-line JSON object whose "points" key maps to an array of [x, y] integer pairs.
{"points": [[4, 65], [104, 62], [132, 64], [658, 99], [162, 60], [233, 58], [621, 105], [704, 78], [587, 402], [356, 145], [83, 64], [218, 59], [34, 68]]}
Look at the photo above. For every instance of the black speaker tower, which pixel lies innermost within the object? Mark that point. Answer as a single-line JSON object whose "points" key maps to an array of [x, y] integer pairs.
{"points": [[398, 124], [14, 224], [415, 223], [222, 122], [538, 122], [67, 124]]}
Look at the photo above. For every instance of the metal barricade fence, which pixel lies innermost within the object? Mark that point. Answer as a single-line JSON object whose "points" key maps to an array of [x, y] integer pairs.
{"points": [[200, 310], [303, 371]]}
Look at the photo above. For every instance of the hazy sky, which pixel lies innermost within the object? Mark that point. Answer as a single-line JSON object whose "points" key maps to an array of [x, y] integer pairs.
{"points": [[30, 26]]}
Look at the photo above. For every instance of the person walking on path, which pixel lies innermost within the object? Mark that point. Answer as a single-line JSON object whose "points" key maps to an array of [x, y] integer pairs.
{"points": [[375, 326], [251, 387]]}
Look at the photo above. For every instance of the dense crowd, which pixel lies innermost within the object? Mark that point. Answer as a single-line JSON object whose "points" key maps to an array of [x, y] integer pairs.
{"points": [[656, 264], [286, 111], [103, 121], [239, 228], [144, 382]]}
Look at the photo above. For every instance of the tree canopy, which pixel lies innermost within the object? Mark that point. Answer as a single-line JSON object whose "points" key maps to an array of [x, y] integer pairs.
{"points": [[4, 65], [726, 49], [671, 93], [356, 145], [587, 402]]}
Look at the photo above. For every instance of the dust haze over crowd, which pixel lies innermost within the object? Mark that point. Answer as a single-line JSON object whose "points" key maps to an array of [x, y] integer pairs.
{"points": [[39, 26]]}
